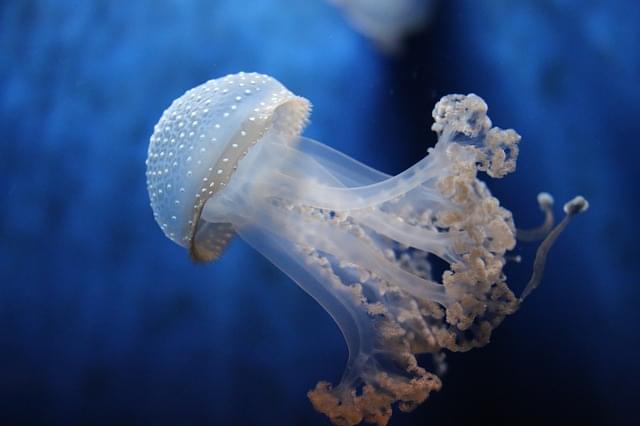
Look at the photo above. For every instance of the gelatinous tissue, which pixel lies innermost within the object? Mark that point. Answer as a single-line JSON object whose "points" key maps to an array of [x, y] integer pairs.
{"points": [[386, 22], [227, 158]]}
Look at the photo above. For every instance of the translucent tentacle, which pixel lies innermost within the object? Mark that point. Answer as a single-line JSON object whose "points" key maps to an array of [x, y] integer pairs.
{"points": [[361, 197], [574, 207], [545, 201], [349, 245], [428, 240]]}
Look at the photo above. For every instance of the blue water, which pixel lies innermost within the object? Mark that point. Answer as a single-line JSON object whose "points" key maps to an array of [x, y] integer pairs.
{"points": [[105, 321]]}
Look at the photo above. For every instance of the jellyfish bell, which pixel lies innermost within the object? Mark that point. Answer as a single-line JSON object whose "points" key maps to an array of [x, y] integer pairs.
{"points": [[197, 145], [228, 158], [386, 22]]}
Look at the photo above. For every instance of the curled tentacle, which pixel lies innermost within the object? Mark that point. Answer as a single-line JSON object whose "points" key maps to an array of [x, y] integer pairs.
{"points": [[572, 208], [545, 201]]}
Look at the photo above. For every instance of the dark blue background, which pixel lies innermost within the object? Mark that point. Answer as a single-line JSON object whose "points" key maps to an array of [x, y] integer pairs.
{"points": [[105, 321]]}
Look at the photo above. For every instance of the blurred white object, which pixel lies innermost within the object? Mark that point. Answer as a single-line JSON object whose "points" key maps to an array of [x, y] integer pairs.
{"points": [[386, 22]]}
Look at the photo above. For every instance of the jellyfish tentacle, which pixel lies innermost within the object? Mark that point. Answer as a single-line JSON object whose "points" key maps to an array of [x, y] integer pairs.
{"points": [[374, 217], [351, 245], [427, 240], [392, 226], [545, 202], [279, 251], [572, 208], [366, 390], [357, 197], [349, 171]]}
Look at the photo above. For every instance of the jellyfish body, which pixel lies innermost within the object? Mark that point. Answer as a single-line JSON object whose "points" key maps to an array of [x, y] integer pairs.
{"points": [[356, 239], [386, 22]]}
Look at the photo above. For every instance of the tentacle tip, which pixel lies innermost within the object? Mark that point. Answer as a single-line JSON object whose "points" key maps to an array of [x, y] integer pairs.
{"points": [[545, 200], [515, 259], [576, 206]]}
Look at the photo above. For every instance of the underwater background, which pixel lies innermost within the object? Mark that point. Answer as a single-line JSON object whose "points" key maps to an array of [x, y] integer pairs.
{"points": [[105, 321]]}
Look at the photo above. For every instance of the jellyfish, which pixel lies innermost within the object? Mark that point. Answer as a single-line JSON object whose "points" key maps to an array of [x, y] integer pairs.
{"points": [[386, 22], [227, 158]]}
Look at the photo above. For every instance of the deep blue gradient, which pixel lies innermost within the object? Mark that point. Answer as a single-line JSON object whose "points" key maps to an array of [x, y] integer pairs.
{"points": [[105, 321]]}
